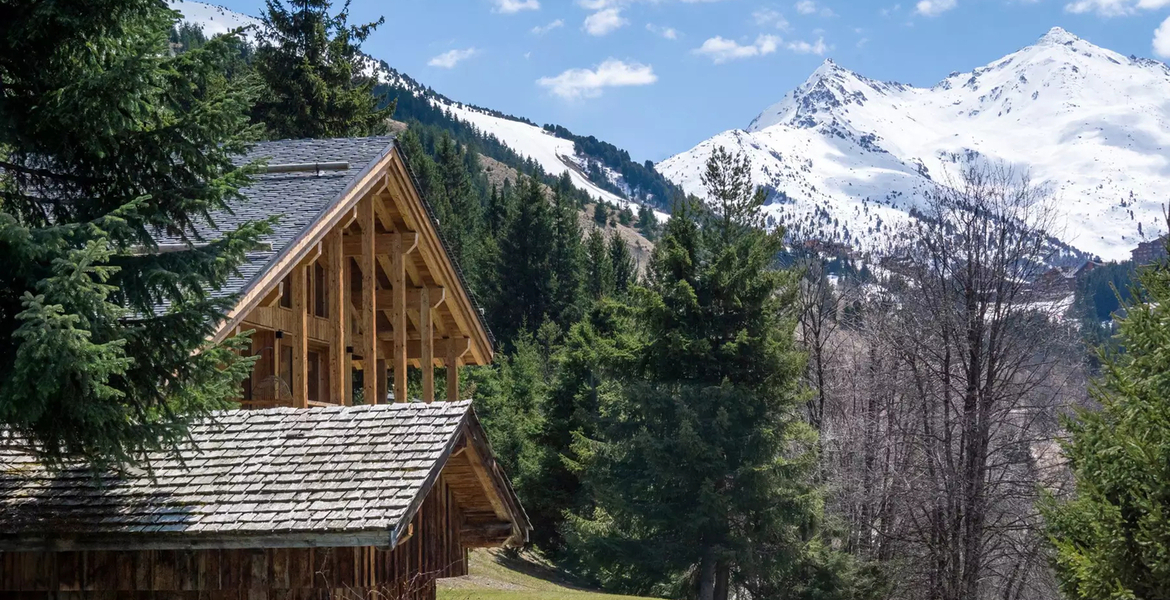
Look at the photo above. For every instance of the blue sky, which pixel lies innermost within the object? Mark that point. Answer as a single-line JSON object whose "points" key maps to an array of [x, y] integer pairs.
{"points": [[657, 77]]}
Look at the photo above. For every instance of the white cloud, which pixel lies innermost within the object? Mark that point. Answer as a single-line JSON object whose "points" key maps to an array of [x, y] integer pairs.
{"points": [[721, 50], [543, 29], [590, 83], [1162, 39], [1114, 8], [806, 7], [767, 17], [669, 33], [802, 47], [605, 21], [449, 59], [934, 8], [515, 6]]}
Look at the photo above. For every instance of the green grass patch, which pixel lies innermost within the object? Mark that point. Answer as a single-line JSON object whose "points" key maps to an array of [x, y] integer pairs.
{"points": [[494, 576]]}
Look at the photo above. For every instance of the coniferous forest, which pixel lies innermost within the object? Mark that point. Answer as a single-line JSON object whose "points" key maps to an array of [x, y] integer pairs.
{"points": [[700, 408]]}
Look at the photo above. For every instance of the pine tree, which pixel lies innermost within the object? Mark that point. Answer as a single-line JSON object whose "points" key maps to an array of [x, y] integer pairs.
{"points": [[524, 296], [460, 214], [106, 141], [701, 465], [598, 267], [647, 223], [601, 214], [623, 267], [1113, 537], [567, 256], [316, 84]]}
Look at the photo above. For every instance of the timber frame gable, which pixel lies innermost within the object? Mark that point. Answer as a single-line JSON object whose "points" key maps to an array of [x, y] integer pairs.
{"points": [[370, 260]]}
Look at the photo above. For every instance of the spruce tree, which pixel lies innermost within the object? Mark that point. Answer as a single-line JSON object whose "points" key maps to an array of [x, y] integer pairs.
{"points": [[525, 284], [622, 264], [701, 465], [460, 213], [567, 255], [316, 83], [107, 141], [599, 281], [1112, 537]]}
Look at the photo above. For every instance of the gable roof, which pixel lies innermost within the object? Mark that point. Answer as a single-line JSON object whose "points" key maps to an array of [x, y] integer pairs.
{"points": [[344, 476], [298, 198], [308, 204]]}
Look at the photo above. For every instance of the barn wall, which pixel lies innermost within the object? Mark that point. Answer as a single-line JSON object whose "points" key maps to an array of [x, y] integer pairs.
{"points": [[408, 572]]}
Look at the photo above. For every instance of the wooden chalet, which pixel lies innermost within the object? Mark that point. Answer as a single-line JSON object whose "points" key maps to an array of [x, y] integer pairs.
{"points": [[318, 486]]}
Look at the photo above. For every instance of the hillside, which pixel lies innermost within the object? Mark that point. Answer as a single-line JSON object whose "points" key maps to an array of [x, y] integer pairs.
{"points": [[514, 141], [848, 157], [493, 575]]}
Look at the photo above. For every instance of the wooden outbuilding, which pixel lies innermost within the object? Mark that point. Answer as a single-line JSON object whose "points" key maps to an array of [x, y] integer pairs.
{"points": [[342, 502], [327, 482]]}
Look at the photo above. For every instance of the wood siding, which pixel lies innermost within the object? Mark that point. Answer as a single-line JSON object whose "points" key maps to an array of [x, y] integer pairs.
{"points": [[408, 572]]}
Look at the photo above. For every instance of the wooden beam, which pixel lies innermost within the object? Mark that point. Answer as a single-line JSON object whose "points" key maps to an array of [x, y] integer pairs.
{"points": [[383, 243], [398, 322], [369, 299], [441, 348], [435, 297], [452, 364], [339, 369], [427, 357], [380, 375], [300, 333], [485, 535], [479, 466]]}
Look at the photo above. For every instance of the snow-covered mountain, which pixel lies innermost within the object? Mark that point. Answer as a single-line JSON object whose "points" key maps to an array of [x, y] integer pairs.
{"points": [[554, 154], [849, 157]]}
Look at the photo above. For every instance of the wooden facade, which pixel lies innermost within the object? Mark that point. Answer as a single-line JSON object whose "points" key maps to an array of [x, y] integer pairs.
{"points": [[339, 312], [367, 288], [433, 550]]}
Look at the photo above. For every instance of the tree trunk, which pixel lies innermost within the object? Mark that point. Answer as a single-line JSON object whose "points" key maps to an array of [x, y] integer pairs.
{"points": [[707, 574], [722, 580]]}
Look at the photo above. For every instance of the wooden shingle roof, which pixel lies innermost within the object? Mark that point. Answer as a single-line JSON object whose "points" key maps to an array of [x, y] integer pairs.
{"points": [[344, 476]]}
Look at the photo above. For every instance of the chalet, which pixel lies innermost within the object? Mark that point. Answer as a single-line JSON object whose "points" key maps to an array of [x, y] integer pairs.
{"points": [[1148, 253], [317, 486]]}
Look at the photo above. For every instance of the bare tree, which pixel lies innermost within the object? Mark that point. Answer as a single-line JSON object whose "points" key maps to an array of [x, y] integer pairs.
{"points": [[939, 405]]}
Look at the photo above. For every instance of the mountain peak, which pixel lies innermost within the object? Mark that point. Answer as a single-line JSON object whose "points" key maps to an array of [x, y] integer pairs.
{"points": [[1058, 36]]}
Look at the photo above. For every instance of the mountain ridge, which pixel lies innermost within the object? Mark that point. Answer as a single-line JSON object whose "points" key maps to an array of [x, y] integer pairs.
{"points": [[848, 157]]}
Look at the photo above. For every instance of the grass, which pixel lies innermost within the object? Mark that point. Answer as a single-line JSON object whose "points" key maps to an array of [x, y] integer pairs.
{"points": [[492, 575]]}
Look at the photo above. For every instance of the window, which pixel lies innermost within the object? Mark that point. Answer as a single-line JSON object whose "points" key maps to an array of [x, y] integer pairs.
{"points": [[320, 305], [314, 383]]}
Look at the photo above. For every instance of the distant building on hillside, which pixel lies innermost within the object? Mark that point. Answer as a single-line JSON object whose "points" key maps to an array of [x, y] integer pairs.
{"points": [[1150, 252], [1064, 279]]}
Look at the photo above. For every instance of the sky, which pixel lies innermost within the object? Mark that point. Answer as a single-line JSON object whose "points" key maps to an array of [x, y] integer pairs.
{"points": [[656, 77]]}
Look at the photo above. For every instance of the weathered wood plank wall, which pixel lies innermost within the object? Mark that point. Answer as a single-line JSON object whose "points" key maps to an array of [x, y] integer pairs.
{"points": [[407, 572]]}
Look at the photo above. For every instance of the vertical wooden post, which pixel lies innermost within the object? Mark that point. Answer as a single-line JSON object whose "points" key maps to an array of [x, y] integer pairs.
{"points": [[398, 284], [427, 358], [452, 371], [276, 341], [380, 369], [300, 341], [338, 358], [369, 304]]}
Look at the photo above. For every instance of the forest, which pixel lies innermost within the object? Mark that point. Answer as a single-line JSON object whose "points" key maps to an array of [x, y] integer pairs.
{"points": [[733, 417]]}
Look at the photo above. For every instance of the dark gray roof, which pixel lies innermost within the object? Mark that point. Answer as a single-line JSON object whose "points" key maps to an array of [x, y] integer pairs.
{"points": [[341, 475], [297, 198]]}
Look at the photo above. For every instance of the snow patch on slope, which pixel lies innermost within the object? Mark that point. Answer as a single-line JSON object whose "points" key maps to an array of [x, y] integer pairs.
{"points": [[555, 155], [848, 156], [213, 20]]}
